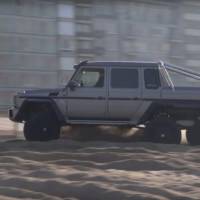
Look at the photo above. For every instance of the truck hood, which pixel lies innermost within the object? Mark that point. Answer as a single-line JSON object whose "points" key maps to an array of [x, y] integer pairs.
{"points": [[41, 92]]}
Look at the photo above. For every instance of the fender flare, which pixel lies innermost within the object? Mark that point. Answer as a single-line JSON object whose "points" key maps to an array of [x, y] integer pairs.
{"points": [[153, 109], [22, 112]]}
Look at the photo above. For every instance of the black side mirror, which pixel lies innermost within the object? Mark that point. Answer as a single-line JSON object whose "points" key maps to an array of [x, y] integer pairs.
{"points": [[72, 85]]}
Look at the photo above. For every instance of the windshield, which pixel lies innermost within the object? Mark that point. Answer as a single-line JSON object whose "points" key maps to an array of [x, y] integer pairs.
{"points": [[182, 77]]}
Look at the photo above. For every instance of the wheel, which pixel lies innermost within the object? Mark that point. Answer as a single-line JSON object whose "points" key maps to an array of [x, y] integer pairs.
{"points": [[193, 134], [163, 130], [42, 127]]}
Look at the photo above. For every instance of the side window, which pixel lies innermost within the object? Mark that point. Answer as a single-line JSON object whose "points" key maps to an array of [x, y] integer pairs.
{"points": [[124, 78], [89, 77], [151, 78]]}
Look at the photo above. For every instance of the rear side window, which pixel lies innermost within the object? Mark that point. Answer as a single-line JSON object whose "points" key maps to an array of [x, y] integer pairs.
{"points": [[151, 78], [124, 78]]}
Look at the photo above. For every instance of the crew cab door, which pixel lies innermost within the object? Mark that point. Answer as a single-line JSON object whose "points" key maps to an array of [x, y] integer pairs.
{"points": [[88, 99], [124, 93]]}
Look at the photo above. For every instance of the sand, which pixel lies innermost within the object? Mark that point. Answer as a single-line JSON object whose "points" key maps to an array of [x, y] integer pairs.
{"points": [[98, 169]]}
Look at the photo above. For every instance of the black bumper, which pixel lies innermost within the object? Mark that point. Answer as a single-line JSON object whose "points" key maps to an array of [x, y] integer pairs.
{"points": [[12, 114]]}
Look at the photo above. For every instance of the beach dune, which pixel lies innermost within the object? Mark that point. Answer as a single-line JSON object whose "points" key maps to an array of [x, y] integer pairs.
{"points": [[98, 169]]}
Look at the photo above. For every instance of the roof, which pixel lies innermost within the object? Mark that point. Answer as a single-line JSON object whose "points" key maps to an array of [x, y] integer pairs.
{"points": [[118, 63]]}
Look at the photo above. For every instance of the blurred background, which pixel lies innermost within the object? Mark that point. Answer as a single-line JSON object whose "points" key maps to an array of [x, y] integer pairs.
{"points": [[41, 40]]}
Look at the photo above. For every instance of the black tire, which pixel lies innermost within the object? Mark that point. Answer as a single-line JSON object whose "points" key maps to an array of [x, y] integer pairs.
{"points": [[42, 127], [193, 134], [163, 130]]}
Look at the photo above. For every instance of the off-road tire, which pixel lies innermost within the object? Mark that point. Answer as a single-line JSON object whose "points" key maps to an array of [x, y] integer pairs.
{"points": [[42, 127], [163, 130], [193, 134]]}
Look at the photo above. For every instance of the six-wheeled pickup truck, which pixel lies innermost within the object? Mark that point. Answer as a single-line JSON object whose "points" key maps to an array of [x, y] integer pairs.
{"points": [[163, 98]]}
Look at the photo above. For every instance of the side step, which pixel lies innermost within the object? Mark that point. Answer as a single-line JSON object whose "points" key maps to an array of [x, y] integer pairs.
{"points": [[94, 122]]}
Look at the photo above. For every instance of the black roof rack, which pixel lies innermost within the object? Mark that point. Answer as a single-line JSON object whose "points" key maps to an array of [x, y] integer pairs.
{"points": [[117, 63], [81, 63]]}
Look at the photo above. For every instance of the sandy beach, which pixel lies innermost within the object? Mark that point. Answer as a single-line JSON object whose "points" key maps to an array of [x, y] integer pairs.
{"points": [[98, 169]]}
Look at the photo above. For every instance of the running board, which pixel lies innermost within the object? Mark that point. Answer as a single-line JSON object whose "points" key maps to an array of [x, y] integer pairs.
{"points": [[94, 122]]}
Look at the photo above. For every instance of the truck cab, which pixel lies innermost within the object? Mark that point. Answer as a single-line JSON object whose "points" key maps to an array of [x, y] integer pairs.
{"points": [[112, 92]]}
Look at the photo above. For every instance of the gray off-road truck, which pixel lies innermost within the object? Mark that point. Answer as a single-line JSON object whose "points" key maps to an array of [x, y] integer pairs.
{"points": [[161, 97]]}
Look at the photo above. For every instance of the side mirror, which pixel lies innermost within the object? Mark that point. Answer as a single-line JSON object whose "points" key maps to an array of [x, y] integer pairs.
{"points": [[72, 85]]}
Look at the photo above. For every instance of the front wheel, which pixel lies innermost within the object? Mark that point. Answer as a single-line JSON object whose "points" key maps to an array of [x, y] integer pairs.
{"points": [[42, 127], [163, 130]]}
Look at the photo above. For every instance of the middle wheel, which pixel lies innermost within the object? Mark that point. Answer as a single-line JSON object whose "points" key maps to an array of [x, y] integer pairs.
{"points": [[163, 130]]}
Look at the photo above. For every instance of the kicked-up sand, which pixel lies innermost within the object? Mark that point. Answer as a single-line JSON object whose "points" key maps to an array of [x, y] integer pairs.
{"points": [[99, 168]]}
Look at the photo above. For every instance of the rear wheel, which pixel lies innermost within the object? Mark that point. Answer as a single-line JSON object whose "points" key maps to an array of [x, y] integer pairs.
{"points": [[193, 134], [163, 130], [42, 127]]}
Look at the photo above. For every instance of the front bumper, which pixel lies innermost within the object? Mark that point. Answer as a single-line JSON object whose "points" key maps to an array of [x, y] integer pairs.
{"points": [[12, 113]]}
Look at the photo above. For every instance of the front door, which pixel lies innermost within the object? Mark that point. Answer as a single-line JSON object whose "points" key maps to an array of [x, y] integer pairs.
{"points": [[88, 99], [124, 93]]}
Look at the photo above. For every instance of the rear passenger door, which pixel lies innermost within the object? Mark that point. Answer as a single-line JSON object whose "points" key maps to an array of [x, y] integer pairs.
{"points": [[124, 93]]}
